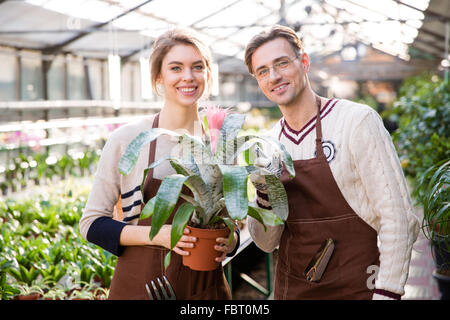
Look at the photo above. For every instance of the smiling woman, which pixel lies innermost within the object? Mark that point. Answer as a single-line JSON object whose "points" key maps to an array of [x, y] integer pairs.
{"points": [[180, 72], [183, 76]]}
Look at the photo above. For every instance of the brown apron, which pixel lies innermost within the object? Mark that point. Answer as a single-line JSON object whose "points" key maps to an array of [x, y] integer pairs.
{"points": [[140, 264], [317, 211]]}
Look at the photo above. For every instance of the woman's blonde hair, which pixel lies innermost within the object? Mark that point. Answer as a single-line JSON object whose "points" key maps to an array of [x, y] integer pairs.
{"points": [[167, 41]]}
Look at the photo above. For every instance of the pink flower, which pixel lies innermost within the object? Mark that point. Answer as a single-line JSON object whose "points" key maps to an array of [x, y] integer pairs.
{"points": [[215, 117]]}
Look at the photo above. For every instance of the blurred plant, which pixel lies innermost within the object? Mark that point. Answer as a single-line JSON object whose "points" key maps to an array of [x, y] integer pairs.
{"points": [[433, 193], [423, 136], [55, 292], [44, 168], [35, 288], [41, 246], [6, 290], [87, 291], [103, 263]]}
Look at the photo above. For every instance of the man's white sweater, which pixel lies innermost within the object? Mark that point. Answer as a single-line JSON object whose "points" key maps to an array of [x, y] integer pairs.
{"points": [[366, 168]]}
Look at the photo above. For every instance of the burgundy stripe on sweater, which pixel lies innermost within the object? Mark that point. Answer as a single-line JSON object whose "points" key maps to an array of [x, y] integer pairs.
{"points": [[387, 294], [310, 129], [309, 122]]}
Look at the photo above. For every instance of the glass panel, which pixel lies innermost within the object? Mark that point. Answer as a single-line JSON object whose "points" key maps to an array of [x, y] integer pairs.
{"points": [[76, 80], [55, 79], [7, 76], [127, 82], [95, 78], [105, 78], [137, 82], [31, 84]]}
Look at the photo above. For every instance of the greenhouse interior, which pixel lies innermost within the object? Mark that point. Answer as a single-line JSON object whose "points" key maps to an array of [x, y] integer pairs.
{"points": [[74, 72]]}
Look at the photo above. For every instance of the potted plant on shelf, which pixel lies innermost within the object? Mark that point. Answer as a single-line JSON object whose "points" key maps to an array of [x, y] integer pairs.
{"points": [[219, 186], [34, 291], [433, 192], [55, 292]]}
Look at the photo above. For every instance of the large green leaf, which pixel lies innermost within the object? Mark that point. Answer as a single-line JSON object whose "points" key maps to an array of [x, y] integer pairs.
{"points": [[265, 142], [230, 224], [193, 147], [277, 196], [166, 199], [179, 222], [235, 190], [201, 191], [190, 200], [252, 212], [180, 168], [227, 152], [148, 209], [131, 154], [231, 126], [186, 165], [167, 259], [146, 170], [265, 217], [129, 158]]}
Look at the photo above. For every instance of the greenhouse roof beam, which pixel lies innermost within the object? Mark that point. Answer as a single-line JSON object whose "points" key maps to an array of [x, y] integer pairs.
{"points": [[214, 13], [57, 48], [433, 34], [124, 59], [426, 12], [128, 56], [254, 24]]}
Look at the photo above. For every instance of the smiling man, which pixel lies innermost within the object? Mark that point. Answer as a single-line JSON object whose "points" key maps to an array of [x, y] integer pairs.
{"points": [[349, 192]]}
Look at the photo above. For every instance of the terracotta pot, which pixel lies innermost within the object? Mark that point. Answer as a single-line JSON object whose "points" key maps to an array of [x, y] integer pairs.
{"points": [[31, 296], [202, 256]]}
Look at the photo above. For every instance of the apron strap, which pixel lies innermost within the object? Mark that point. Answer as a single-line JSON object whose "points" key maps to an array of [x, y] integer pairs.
{"points": [[319, 148], [151, 158], [152, 148]]}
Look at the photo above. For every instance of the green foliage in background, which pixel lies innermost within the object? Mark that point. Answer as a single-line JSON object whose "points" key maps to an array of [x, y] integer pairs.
{"points": [[423, 144], [41, 249], [42, 168], [423, 111]]}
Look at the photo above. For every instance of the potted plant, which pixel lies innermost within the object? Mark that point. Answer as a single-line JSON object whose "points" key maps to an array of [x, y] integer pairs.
{"points": [[433, 192], [32, 291], [56, 292], [84, 293], [208, 168], [101, 293]]}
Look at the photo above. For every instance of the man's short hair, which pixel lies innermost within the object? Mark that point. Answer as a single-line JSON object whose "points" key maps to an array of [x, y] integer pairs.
{"points": [[277, 31]]}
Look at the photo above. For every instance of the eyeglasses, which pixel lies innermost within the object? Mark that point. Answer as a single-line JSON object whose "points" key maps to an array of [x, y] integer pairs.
{"points": [[278, 66]]}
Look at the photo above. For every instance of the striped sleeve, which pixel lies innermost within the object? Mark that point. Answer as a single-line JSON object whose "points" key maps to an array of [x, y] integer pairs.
{"points": [[97, 224]]}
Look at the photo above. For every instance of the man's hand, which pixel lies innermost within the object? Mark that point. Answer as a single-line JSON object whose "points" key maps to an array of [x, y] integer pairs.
{"points": [[268, 165]]}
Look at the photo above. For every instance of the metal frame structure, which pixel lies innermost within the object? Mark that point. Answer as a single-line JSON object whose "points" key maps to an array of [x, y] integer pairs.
{"points": [[305, 16]]}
